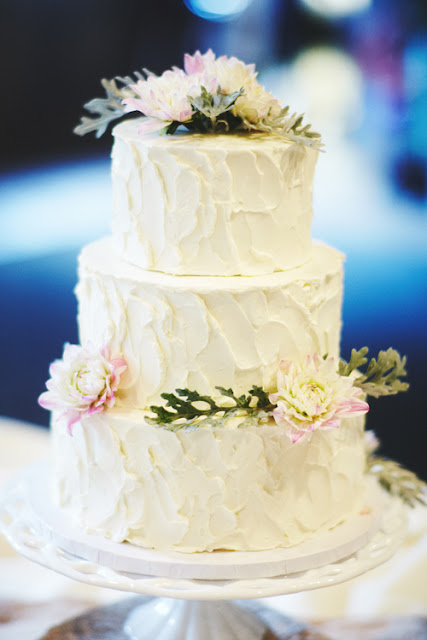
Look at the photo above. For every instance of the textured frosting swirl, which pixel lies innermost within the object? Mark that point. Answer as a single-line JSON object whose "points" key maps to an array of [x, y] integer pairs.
{"points": [[205, 489], [200, 332], [211, 204]]}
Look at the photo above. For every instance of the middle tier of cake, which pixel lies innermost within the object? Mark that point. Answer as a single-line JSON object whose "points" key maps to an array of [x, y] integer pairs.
{"points": [[201, 332]]}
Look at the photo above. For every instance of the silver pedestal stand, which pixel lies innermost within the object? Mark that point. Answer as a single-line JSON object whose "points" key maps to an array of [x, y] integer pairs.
{"points": [[194, 591]]}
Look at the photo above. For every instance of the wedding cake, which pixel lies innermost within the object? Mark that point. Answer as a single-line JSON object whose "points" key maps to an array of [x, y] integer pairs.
{"points": [[205, 408]]}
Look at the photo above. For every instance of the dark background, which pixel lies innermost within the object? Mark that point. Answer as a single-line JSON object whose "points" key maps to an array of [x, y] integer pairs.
{"points": [[362, 77]]}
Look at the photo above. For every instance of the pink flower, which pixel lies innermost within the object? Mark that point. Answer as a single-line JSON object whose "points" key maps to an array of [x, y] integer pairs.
{"points": [[199, 62], [231, 74], [312, 395], [164, 99], [84, 382]]}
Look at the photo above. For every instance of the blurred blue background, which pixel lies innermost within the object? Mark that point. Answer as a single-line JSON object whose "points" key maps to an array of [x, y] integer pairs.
{"points": [[357, 68]]}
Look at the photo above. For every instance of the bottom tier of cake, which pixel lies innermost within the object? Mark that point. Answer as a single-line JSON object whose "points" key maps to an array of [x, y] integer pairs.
{"points": [[208, 488]]}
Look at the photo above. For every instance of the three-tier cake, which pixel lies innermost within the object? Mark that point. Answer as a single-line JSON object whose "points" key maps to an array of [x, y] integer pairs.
{"points": [[209, 282]]}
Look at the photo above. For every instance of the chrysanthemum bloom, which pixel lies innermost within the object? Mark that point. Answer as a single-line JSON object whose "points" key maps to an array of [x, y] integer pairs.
{"points": [[164, 99], [312, 395], [231, 75], [84, 382], [255, 104]]}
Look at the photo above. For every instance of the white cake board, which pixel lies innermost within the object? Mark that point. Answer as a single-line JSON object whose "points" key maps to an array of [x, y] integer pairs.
{"points": [[41, 533]]}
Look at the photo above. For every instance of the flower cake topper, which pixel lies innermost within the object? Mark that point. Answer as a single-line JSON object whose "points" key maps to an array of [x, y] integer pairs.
{"points": [[208, 95], [83, 383]]}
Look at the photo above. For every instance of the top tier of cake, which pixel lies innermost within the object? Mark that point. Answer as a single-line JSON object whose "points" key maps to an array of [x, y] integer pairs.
{"points": [[214, 205]]}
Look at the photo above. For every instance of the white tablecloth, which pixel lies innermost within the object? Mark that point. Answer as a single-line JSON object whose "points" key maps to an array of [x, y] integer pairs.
{"points": [[397, 588]]}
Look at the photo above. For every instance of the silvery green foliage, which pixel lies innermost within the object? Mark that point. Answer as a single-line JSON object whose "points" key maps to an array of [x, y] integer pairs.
{"points": [[357, 360], [382, 375], [398, 481], [213, 105], [290, 127], [212, 113], [109, 108], [216, 108]]}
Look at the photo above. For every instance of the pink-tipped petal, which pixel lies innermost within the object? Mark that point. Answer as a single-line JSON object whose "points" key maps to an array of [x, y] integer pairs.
{"points": [[46, 401], [119, 365], [150, 125], [359, 406], [71, 421], [331, 424], [295, 435], [273, 397]]}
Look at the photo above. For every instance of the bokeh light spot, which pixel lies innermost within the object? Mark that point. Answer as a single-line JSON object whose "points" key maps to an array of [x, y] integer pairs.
{"points": [[336, 8], [218, 10]]}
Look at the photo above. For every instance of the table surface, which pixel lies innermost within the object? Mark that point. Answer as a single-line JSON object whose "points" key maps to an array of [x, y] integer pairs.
{"points": [[33, 598]]}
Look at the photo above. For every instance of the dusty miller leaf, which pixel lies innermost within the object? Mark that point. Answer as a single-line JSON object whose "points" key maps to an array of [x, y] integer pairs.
{"points": [[109, 108], [398, 481], [382, 376], [213, 105], [357, 360], [289, 127]]}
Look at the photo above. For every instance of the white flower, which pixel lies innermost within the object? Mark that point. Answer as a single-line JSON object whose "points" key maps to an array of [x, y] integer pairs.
{"points": [[312, 395], [82, 383], [231, 75], [256, 103], [164, 99]]}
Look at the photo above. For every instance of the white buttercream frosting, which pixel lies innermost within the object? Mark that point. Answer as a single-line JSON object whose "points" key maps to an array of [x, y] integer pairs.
{"points": [[211, 204], [203, 332], [230, 284], [209, 488]]}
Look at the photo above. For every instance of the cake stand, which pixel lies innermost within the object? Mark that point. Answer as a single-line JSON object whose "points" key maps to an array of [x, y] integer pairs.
{"points": [[192, 591]]}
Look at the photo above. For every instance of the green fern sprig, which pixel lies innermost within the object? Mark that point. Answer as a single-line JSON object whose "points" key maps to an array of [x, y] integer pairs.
{"points": [[186, 407]]}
